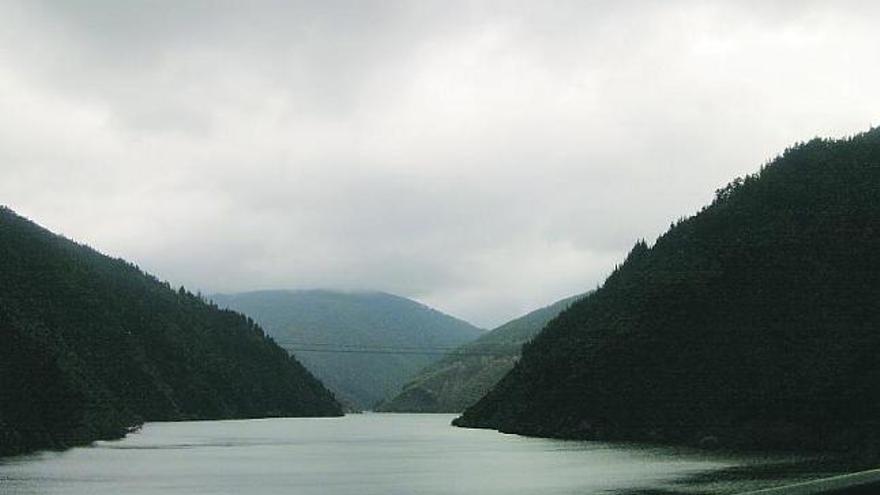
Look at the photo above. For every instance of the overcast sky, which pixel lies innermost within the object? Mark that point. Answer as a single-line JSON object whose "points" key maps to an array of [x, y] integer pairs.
{"points": [[483, 158]]}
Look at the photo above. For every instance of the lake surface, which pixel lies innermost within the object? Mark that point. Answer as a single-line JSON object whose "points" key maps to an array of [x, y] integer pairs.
{"points": [[381, 454]]}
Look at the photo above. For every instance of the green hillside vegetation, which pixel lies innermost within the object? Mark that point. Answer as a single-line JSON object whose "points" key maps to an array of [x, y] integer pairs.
{"points": [[91, 347], [752, 323], [364, 345], [466, 374]]}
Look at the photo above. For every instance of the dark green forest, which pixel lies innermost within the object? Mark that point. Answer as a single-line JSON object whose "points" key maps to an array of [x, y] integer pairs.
{"points": [[463, 376], [91, 347], [364, 345], [754, 323]]}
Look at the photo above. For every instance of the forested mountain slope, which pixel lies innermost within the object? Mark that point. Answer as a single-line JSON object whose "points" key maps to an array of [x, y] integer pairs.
{"points": [[363, 345], [467, 373], [91, 346], [754, 322]]}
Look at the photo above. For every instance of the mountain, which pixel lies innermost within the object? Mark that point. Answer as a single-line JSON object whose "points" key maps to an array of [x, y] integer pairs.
{"points": [[753, 323], [465, 375], [91, 347], [363, 345]]}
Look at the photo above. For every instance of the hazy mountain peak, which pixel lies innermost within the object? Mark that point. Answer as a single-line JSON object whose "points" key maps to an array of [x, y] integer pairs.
{"points": [[363, 344]]}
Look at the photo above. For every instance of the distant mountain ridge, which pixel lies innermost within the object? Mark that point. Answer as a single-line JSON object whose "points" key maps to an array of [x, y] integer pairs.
{"points": [[363, 345], [752, 323], [466, 374], [91, 346]]}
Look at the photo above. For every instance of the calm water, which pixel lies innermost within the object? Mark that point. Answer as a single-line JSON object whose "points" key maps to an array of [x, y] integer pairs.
{"points": [[379, 454]]}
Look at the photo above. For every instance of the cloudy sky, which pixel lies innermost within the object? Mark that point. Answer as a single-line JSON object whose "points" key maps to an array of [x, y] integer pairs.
{"points": [[484, 158]]}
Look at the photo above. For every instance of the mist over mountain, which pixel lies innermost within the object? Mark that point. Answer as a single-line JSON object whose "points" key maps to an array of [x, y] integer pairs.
{"points": [[363, 345], [753, 322], [91, 347], [466, 374]]}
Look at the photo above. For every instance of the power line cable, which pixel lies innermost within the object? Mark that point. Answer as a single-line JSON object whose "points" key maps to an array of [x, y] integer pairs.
{"points": [[376, 351], [365, 349], [366, 346]]}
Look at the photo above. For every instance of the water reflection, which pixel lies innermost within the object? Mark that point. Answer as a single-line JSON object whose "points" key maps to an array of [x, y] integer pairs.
{"points": [[378, 454]]}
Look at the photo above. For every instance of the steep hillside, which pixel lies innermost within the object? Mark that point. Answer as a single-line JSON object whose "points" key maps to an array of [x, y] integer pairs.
{"points": [[467, 373], [363, 345], [752, 323], [91, 346]]}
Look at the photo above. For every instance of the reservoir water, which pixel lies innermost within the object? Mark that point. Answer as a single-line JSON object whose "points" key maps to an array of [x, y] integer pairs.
{"points": [[378, 454]]}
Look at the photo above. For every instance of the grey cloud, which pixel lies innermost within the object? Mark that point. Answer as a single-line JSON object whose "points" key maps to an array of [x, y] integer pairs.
{"points": [[484, 157]]}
